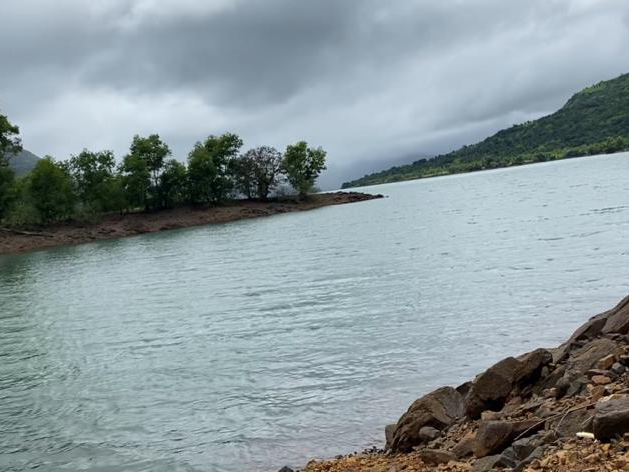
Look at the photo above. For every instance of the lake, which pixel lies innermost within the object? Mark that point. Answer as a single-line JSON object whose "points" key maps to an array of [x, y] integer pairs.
{"points": [[265, 342]]}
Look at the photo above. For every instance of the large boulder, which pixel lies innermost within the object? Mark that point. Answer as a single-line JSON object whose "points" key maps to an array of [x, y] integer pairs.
{"points": [[588, 356], [611, 419], [618, 319], [494, 437], [491, 388], [438, 409]]}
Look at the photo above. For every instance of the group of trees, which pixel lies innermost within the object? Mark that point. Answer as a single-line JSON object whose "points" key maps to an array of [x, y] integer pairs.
{"points": [[148, 178]]}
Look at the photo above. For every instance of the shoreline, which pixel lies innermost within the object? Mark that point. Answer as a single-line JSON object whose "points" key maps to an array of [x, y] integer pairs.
{"points": [[122, 226], [551, 410]]}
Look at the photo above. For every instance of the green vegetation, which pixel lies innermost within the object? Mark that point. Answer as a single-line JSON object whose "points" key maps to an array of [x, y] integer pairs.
{"points": [[90, 184], [594, 121]]}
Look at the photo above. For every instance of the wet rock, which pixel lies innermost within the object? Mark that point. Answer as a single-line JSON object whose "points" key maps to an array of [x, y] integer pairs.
{"points": [[286, 469], [428, 433], [438, 409], [436, 456]]}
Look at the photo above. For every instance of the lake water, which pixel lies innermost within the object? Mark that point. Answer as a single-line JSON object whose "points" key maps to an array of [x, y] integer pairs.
{"points": [[251, 345]]}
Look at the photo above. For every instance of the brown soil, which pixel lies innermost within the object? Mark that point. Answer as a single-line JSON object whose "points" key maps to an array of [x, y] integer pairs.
{"points": [[120, 226]]}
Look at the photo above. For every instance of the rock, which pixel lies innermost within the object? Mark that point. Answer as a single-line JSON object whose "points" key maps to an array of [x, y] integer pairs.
{"points": [[537, 454], [562, 386], [588, 356], [618, 319], [428, 433], [624, 360], [617, 368], [611, 419], [588, 330], [463, 389], [436, 456], [522, 448], [576, 386], [571, 423], [606, 362], [438, 409], [492, 437], [465, 447], [388, 435], [286, 469], [491, 388], [601, 380], [490, 462]]}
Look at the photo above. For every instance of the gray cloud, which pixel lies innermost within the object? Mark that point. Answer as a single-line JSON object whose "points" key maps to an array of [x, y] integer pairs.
{"points": [[369, 80]]}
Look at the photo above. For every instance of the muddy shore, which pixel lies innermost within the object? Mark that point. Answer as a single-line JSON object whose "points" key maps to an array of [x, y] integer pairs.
{"points": [[120, 226], [554, 410]]}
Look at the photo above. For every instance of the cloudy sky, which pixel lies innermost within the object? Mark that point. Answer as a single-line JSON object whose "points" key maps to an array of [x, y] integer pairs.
{"points": [[373, 82]]}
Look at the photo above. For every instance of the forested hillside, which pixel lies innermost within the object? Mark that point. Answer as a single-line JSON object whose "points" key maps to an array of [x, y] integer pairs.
{"points": [[594, 121]]}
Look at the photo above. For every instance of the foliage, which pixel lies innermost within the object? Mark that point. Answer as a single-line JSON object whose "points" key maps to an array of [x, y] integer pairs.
{"points": [[50, 188], [594, 121], [136, 181], [303, 165], [210, 168], [257, 172], [9, 140], [172, 184], [152, 151], [7, 178], [96, 184]]}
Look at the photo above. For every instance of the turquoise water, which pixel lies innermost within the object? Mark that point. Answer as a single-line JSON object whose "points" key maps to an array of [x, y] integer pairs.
{"points": [[251, 345]]}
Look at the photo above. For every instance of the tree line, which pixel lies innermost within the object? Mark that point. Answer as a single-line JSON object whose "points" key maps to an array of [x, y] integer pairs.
{"points": [[148, 178]]}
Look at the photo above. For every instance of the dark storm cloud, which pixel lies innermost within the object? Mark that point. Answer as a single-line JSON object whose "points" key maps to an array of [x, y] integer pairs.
{"points": [[369, 80]]}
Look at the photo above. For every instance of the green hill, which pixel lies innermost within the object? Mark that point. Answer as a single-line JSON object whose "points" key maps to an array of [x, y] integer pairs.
{"points": [[594, 121], [23, 162]]}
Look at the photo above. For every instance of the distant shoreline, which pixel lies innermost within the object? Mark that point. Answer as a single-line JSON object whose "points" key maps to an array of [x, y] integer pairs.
{"points": [[121, 226]]}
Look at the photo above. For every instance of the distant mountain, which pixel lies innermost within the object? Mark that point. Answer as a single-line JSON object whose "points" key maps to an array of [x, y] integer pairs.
{"points": [[594, 121], [23, 162]]}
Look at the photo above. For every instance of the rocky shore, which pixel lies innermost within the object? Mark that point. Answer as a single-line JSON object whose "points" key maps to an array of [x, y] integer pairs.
{"points": [[120, 226], [556, 410]]}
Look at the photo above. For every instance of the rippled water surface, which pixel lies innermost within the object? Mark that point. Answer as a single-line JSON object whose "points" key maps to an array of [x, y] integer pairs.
{"points": [[260, 343]]}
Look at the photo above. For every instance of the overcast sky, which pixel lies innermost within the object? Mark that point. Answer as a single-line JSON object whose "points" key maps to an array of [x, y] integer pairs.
{"points": [[373, 82]]}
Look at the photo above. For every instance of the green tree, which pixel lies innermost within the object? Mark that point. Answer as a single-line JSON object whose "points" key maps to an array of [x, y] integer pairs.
{"points": [[93, 174], [7, 181], [10, 143], [243, 173], [209, 168], [153, 151], [172, 184], [201, 175], [50, 188], [136, 181], [263, 168], [303, 165]]}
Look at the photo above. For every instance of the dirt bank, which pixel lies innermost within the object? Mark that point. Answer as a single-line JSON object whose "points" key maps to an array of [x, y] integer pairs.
{"points": [[554, 410], [120, 226]]}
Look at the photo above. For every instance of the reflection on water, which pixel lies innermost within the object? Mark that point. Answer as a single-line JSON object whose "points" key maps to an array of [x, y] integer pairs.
{"points": [[250, 345]]}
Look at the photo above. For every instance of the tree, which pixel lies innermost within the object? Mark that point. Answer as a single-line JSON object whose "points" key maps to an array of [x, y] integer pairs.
{"points": [[201, 175], [209, 168], [7, 181], [50, 188], [303, 165], [153, 151], [136, 181], [242, 169], [258, 171], [93, 174], [10, 143], [172, 184]]}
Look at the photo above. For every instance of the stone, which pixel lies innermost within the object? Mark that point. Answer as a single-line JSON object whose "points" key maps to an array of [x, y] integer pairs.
{"points": [[618, 319], [428, 433], [438, 409], [617, 368], [606, 362], [601, 380], [436, 456], [286, 469], [537, 454], [577, 386], [624, 359], [465, 447], [487, 463], [588, 356], [492, 437], [611, 419], [522, 448], [588, 330], [491, 388], [388, 435], [571, 423]]}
